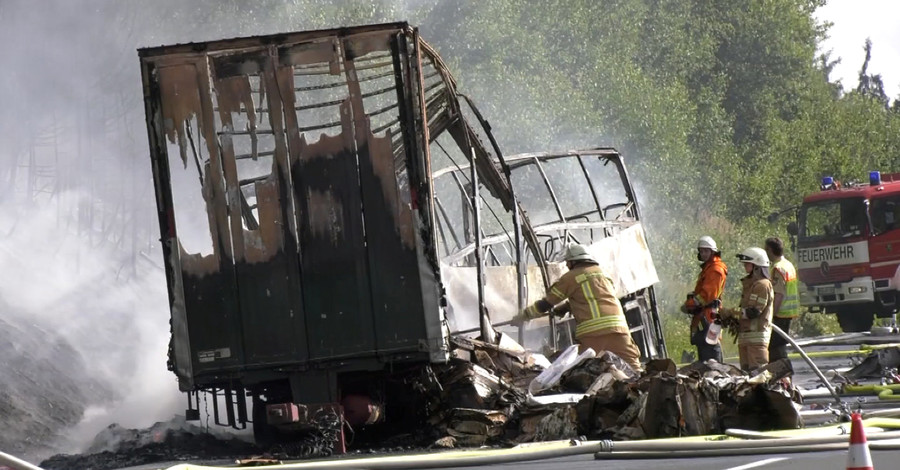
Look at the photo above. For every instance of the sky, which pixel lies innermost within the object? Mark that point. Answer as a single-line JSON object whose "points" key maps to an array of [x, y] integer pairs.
{"points": [[854, 21]]}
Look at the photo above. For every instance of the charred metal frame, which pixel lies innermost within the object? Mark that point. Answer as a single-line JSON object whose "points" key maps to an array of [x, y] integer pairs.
{"points": [[518, 161], [321, 257], [640, 304]]}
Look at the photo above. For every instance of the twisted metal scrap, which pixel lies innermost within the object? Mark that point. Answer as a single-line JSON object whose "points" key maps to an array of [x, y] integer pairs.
{"points": [[321, 439]]}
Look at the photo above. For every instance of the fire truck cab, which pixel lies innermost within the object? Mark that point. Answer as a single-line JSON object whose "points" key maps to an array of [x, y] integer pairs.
{"points": [[849, 249]]}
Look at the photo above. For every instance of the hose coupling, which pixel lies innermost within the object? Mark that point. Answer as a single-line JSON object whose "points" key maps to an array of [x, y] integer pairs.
{"points": [[605, 446]]}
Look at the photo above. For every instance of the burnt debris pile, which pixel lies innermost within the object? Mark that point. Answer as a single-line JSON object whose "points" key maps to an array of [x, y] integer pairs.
{"points": [[502, 395], [118, 447], [496, 395], [878, 364]]}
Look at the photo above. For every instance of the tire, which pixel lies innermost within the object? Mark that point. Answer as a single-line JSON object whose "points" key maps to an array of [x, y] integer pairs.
{"points": [[856, 320]]}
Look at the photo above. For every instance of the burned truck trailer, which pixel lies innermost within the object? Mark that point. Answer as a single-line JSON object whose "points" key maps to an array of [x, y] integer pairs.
{"points": [[322, 234]]}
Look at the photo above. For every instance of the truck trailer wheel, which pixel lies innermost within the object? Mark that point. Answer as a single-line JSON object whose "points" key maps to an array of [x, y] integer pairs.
{"points": [[856, 320]]}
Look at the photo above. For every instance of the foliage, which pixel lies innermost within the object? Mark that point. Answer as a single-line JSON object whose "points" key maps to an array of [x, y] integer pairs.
{"points": [[814, 324], [676, 331], [871, 85], [723, 108]]}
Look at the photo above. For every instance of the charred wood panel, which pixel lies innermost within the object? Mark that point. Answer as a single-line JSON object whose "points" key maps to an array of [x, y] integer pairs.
{"points": [[334, 266], [179, 353], [395, 289], [206, 287], [265, 262], [333, 262]]}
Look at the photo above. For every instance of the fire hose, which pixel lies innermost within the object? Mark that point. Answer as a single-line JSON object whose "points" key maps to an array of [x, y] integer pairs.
{"points": [[831, 389], [601, 449], [16, 463], [884, 392]]}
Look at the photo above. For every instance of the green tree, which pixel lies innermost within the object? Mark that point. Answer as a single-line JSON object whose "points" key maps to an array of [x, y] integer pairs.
{"points": [[871, 85]]}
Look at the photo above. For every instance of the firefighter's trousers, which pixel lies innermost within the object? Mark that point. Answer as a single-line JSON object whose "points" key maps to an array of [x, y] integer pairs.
{"points": [[620, 344], [753, 355], [778, 345], [706, 351]]}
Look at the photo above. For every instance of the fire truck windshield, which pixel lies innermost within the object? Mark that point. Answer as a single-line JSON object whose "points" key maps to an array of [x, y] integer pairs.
{"points": [[832, 220], [885, 213]]}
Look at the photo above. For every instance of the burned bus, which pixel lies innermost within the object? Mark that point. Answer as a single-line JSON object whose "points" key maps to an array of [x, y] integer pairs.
{"points": [[333, 212]]}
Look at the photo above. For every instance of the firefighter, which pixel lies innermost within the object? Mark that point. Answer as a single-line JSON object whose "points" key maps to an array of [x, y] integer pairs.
{"points": [[706, 296], [755, 311], [787, 301], [599, 320]]}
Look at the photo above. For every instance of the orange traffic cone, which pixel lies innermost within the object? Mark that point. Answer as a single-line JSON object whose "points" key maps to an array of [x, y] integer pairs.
{"points": [[858, 456]]}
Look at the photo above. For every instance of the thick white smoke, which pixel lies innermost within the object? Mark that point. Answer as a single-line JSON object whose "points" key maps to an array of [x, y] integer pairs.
{"points": [[111, 308]]}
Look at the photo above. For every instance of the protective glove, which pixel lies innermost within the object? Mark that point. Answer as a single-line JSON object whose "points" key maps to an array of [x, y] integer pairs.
{"points": [[561, 309], [730, 312], [691, 305], [715, 304], [751, 313]]}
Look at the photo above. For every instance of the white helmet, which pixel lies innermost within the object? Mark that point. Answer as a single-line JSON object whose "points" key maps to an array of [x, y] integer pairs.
{"points": [[576, 252], [707, 242], [754, 255]]}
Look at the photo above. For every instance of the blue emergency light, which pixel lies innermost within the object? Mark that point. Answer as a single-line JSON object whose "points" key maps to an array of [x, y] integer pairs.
{"points": [[875, 178], [827, 182]]}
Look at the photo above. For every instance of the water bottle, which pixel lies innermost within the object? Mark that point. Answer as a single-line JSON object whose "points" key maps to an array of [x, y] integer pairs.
{"points": [[712, 334]]}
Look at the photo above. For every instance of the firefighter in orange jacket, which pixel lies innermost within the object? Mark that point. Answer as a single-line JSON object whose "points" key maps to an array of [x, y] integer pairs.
{"points": [[707, 295], [599, 320]]}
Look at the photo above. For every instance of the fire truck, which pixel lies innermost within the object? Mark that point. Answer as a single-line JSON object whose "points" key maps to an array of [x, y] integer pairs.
{"points": [[848, 249]]}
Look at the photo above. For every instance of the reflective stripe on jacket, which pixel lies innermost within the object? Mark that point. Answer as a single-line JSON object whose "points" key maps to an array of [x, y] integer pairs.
{"points": [[757, 293], [790, 305], [710, 285], [592, 301]]}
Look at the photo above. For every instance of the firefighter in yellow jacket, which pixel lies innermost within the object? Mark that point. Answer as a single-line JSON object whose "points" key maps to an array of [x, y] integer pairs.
{"points": [[599, 320], [755, 312], [787, 301]]}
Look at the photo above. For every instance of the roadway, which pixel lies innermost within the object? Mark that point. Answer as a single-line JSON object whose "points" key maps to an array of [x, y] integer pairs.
{"points": [[804, 376], [810, 461]]}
